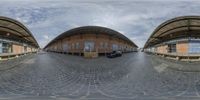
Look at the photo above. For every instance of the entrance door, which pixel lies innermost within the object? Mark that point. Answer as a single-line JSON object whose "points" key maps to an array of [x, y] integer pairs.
{"points": [[89, 46]]}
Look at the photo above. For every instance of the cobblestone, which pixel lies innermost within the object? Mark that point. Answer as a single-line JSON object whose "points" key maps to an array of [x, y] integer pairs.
{"points": [[132, 76]]}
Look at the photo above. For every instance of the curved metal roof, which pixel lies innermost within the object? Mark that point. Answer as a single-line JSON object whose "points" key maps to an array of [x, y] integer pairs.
{"points": [[91, 29], [179, 27], [14, 30]]}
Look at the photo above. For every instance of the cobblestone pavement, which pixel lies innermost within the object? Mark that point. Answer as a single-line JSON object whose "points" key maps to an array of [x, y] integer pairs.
{"points": [[133, 76]]}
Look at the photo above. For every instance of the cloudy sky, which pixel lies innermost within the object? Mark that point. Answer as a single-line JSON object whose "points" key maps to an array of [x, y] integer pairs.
{"points": [[46, 19]]}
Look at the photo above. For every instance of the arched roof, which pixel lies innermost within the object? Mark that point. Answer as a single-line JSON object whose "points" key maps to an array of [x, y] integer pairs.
{"points": [[179, 27], [14, 30], [93, 30]]}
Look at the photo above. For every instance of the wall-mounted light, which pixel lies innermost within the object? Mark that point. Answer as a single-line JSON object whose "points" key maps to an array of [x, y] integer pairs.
{"points": [[7, 34]]}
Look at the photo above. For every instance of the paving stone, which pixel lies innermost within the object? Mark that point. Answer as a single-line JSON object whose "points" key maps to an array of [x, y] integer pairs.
{"points": [[132, 76]]}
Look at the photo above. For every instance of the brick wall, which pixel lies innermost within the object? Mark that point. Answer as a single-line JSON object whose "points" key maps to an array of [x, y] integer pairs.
{"points": [[81, 38]]}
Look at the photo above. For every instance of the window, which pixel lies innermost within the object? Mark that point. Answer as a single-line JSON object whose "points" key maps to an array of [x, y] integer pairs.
{"points": [[114, 47], [65, 47], [194, 47], [5, 47], [89, 46], [73, 46], [101, 45], [172, 48], [77, 45], [105, 45]]}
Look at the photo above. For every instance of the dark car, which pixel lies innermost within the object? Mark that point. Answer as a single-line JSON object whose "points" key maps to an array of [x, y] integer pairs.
{"points": [[114, 54]]}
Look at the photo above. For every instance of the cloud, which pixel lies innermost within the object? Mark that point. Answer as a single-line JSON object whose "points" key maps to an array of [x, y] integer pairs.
{"points": [[47, 19]]}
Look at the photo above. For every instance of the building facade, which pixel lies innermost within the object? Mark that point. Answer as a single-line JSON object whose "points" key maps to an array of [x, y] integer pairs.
{"points": [[91, 39], [178, 37], [15, 38]]}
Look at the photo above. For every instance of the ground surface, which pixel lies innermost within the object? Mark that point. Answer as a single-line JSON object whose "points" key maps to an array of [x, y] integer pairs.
{"points": [[137, 76]]}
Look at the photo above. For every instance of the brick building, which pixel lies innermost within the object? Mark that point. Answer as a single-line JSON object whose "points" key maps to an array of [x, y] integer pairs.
{"points": [[96, 39]]}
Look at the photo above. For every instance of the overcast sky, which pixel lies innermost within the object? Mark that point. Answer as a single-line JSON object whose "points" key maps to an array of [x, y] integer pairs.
{"points": [[46, 19]]}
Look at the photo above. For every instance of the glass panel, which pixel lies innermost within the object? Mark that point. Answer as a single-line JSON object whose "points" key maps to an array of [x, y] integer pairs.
{"points": [[172, 48], [114, 47], [89, 46], [73, 46], [194, 47], [77, 45], [65, 47], [105, 45], [6, 48], [101, 45]]}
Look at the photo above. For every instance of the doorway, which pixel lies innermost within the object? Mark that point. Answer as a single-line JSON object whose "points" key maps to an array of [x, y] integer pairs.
{"points": [[89, 46]]}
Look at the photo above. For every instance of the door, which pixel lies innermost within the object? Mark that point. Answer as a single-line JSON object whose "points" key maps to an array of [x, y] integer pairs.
{"points": [[89, 46]]}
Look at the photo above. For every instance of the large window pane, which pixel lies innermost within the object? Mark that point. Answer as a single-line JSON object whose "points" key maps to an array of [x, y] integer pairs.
{"points": [[172, 48], [89, 46], [77, 45], [194, 47], [114, 47], [5, 47], [65, 47]]}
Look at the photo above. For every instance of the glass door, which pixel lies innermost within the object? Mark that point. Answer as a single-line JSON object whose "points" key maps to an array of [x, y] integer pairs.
{"points": [[89, 46]]}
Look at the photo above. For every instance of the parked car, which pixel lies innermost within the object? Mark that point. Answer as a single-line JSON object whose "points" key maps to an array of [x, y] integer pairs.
{"points": [[114, 54]]}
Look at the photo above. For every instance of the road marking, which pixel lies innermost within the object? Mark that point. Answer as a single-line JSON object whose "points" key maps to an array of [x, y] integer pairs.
{"points": [[160, 68]]}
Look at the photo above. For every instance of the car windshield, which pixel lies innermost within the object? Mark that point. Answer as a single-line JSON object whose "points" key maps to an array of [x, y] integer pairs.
{"points": [[99, 49]]}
